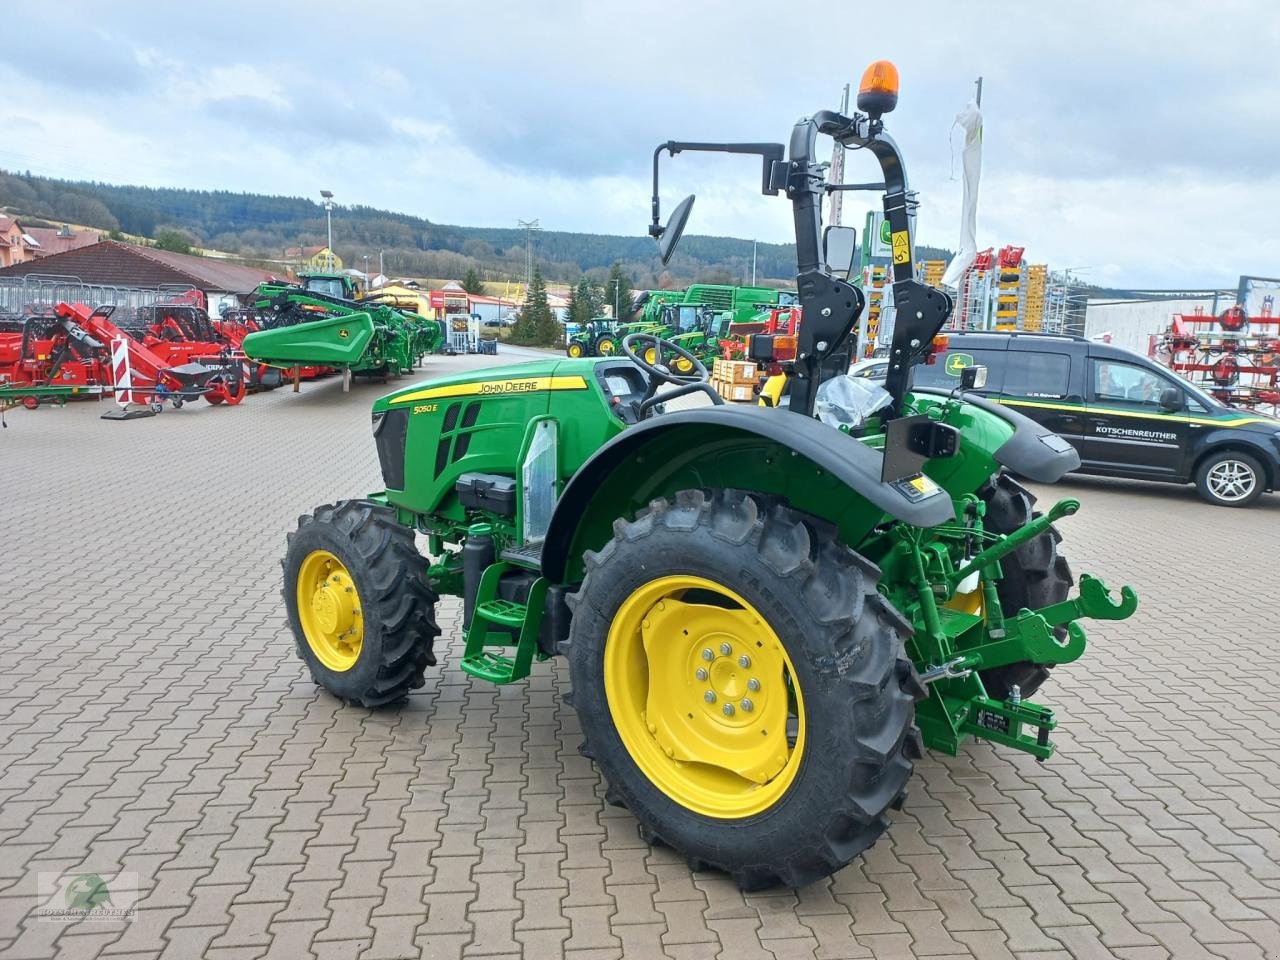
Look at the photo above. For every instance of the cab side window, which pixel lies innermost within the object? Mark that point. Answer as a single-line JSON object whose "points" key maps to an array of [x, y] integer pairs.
{"points": [[1037, 376], [944, 372], [1120, 384]]}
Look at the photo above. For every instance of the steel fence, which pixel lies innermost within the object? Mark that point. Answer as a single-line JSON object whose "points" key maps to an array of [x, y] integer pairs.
{"points": [[38, 293]]}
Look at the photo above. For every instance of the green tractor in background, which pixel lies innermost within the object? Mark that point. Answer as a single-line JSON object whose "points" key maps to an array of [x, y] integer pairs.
{"points": [[766, 617], [339, 285], [595, 338], [697, 318]]}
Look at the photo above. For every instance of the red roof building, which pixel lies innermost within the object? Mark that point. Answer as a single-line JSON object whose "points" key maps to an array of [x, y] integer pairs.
{"points": [[128, 265]]}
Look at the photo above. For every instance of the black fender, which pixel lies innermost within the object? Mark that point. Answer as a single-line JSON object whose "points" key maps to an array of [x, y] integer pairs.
{"points": [[1034, 451], [851, 462]]}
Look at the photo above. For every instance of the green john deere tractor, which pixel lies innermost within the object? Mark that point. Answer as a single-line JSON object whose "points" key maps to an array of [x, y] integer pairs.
{"points": [[594, 339], [766, 618]]}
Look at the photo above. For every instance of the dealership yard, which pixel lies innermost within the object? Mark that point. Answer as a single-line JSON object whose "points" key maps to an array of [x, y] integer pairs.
{"points": [[157, 724]]}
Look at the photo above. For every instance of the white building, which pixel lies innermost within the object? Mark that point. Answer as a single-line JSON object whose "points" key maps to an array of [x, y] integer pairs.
{"points": [[1132, 323]]}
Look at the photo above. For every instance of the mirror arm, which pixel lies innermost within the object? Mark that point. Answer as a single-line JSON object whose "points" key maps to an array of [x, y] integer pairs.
{"points": [[875, 187], [770, 153]]}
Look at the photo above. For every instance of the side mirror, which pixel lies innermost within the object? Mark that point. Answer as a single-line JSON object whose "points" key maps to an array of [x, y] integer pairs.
{"points": [[1171, 399], [839, 248], [670, 235], [973, 378]]}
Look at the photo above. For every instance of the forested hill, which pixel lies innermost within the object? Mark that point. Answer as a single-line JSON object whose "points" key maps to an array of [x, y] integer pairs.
{"points": [[259, 227]]}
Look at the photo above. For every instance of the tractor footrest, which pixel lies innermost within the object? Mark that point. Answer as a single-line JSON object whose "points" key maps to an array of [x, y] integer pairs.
{"points": [[506, 613], [490, 666]]}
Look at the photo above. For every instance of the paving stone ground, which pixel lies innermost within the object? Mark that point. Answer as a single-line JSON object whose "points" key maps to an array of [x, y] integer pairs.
{"points": [[155, 721]]}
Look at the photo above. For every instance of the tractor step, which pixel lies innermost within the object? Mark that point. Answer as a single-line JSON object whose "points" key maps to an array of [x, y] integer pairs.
{"points": [[490, 666], [507, 613], [492, 623]]}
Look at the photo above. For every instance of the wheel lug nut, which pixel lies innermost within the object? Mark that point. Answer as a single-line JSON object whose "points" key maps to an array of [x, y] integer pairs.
{"points": [[753, 684], [747, 705], [744, 661], [708, 655], [726, 649], [709, 696], [728, 709], [701, 673]]}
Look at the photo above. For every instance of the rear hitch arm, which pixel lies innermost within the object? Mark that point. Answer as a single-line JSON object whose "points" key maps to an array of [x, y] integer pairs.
{"points": [[1063, 508]]}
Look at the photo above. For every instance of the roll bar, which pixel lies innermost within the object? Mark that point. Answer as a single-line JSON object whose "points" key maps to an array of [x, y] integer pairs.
{"points": [[831, 305]]}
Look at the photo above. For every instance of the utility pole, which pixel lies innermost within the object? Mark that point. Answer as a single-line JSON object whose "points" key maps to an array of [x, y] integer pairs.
{"points": [[366, 270], [530, 227], [837, 172], [753, 255], [381, 270], [328, 216]]}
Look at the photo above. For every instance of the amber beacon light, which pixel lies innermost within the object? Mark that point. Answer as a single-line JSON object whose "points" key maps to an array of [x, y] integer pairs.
{"points": [[878, 91]]}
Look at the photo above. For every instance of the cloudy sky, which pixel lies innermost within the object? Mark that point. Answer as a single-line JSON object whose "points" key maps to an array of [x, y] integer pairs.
{"points": [[1138, 142]]}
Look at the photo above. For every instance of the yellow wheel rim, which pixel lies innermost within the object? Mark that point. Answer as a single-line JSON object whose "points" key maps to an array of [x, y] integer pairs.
{"points": [[575, 350], [682, 365], [606, 348], [651, 355], [704, 696], [329, 611]]}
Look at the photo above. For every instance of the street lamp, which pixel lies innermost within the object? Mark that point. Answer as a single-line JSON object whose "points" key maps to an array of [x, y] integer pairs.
{"points": [[328, 216]]}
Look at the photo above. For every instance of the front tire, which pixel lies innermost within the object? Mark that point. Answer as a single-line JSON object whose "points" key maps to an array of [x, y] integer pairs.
{"points": [[778, 760], [1230, 478], [359, 604]]}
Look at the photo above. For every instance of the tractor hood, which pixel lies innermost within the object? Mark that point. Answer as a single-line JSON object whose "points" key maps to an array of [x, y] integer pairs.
{"points": [[529, 377]]}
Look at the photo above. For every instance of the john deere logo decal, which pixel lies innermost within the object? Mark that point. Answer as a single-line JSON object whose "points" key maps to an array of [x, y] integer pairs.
{"points": [[343, 333], [957, 362]]}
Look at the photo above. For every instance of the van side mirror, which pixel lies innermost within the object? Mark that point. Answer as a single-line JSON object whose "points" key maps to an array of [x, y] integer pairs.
{"points": [[1171, 399], [840, 247]]}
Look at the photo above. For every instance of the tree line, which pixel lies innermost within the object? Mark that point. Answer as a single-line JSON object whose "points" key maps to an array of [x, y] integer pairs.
{"points": [[262, 228]]}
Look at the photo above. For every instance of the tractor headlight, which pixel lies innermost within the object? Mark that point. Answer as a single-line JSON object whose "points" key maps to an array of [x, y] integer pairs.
{"points": [[379, 419]]}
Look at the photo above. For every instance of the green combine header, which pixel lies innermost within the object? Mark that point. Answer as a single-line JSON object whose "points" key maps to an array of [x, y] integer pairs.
{"points": [[361, 338]]}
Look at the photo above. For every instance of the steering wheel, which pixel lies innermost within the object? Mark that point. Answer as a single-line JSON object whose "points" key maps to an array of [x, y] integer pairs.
{"points": [[658, 373]]}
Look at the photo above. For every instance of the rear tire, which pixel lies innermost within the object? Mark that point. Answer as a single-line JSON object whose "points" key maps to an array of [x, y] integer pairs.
{"points": [[1035, 575], [1230, 478], [395, 605], [851, 742]]}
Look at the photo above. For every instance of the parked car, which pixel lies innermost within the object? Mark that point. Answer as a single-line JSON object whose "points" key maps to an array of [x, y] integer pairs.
{"points": [[1126, 415]]}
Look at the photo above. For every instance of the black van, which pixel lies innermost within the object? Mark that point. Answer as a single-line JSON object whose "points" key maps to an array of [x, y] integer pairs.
{"points": [[1128, 416]]}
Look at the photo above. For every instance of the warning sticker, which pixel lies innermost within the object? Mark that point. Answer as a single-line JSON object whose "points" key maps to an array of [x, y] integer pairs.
{"points": [[901, 247]]}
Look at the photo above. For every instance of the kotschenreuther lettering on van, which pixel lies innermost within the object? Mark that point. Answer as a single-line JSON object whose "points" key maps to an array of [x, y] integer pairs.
{"points": [[1131, 434]]}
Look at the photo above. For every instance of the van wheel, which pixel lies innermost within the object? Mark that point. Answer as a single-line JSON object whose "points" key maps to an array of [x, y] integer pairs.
{"points": [[1230, 479]]}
